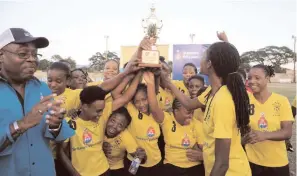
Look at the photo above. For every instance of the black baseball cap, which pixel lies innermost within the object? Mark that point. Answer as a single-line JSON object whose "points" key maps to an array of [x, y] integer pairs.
{"points": [[21, 36]]}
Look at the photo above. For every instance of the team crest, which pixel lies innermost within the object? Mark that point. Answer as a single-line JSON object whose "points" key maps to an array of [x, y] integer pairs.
{"points": [[87, 137], [186, 141], [150, 132], [262, 122], [167, 101]]}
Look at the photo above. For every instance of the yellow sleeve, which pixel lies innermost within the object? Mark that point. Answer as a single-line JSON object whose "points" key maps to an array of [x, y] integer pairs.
{"points": [[67, 140], [77, 98], [167, 117], [94, 83], [129, 142], [202, 97], [286, 111], [107, 111], [199, 131], [132, 110], [294, 102], [224, 118]]}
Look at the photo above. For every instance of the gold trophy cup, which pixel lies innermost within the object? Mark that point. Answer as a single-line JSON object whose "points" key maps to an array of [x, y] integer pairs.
{"points": [[150, 58]]}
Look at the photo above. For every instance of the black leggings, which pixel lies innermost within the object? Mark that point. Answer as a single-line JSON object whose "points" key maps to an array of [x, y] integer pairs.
{"points": [[258, 170], [172, 170], [155, 170]]}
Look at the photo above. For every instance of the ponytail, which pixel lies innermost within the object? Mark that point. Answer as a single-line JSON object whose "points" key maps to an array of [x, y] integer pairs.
{"points": [[241, 101]]}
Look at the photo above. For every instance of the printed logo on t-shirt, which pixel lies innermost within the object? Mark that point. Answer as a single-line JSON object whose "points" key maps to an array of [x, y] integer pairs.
{"points": [[262, 122], [167, 101], [150, 132], [87, 137], [186, 141]]}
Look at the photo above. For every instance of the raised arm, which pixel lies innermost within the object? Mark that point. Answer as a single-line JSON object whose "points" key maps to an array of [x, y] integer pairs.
{"points": [[186, 101], [157, 112], [129, 93], [112, 83], [222, 36], [63, 155], [117, 92]]}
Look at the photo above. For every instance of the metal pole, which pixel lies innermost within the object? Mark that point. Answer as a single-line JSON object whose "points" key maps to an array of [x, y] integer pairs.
{"points": [[106, 45], [192, 36], [294, 78]]}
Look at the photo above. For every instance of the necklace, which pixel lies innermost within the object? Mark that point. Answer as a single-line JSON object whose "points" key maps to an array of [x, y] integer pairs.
{"points": [[207, 113]]}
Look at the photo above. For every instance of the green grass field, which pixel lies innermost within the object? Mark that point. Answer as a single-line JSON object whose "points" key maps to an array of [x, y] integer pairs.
{"points": [[288, 90]]}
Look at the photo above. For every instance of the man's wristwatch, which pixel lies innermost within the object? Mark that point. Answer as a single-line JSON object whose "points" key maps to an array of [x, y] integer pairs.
{"points": [[56, 129], [17, 128]]}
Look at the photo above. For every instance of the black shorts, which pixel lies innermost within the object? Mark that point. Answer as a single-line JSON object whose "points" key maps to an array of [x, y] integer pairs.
{"points": [[61, 171], [269, 171], [119, 172], [172, 170], [145, 171]]}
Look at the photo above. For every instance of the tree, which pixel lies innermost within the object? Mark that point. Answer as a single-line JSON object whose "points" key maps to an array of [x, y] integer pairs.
{"points": [[58, 58], [251, 56], [98, 60], [276, 56], [44, 64]]}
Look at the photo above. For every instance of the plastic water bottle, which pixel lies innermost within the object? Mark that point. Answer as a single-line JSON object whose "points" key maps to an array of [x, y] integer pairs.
{"points": [[134, 166]]}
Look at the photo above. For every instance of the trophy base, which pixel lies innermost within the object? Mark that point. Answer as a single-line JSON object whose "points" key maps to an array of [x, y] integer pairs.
{"points": [[150, 65]]}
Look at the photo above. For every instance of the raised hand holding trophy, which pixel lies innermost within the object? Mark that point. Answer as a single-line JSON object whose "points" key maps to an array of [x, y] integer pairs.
{"points": [[150, 58]]}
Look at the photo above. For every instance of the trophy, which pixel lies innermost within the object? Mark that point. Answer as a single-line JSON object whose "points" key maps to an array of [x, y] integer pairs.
{"points": [[150, 58]]}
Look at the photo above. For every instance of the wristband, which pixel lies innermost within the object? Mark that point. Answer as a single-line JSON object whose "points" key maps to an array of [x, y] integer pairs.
{"points": [[16, 127]]}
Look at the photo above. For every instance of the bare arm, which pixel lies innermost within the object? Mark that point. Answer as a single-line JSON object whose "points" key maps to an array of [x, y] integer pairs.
{"points": [[117, 92], [187, 102], [112, 83], [63, 155], [157, 112], [222, 151], [284, 133], [127, 96]]}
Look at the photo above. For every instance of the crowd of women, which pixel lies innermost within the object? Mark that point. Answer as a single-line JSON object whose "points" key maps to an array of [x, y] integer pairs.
{"points": [[176, 128]]}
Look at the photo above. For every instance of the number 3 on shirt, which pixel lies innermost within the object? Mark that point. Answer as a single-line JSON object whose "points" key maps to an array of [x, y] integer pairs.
{"points": [[252, 109]]}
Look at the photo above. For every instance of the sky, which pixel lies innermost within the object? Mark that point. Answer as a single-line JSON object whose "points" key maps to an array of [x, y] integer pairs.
{"points": [[77, 28]]}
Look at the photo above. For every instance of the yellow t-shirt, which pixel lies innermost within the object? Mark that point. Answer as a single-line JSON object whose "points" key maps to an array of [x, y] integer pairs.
{"points": [[181, 86], [87, 155], [203, 97], [178, 139], [120, 144], [268, 117], [146, 131], [108, 97], [294, 102], [198, 114], [71, 101], [165, 99], [220, 123]]}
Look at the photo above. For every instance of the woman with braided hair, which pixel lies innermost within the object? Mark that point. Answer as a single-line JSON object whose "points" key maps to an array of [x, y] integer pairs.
{"points": [[226, 116]]}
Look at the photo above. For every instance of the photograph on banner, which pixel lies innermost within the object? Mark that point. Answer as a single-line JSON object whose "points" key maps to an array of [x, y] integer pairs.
{"points": [[187, 53]]}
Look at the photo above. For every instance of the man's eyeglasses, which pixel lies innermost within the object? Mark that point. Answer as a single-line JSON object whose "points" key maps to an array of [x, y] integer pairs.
{"points": [[25, 55]]}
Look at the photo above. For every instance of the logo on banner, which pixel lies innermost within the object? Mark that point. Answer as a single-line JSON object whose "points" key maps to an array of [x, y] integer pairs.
{"points": [[151, 132], [87, 137], [178, 55], [262, 122], [186, 141]]}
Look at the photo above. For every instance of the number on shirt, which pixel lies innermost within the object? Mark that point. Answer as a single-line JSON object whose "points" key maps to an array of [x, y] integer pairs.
{"points": [[173, 129]]}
